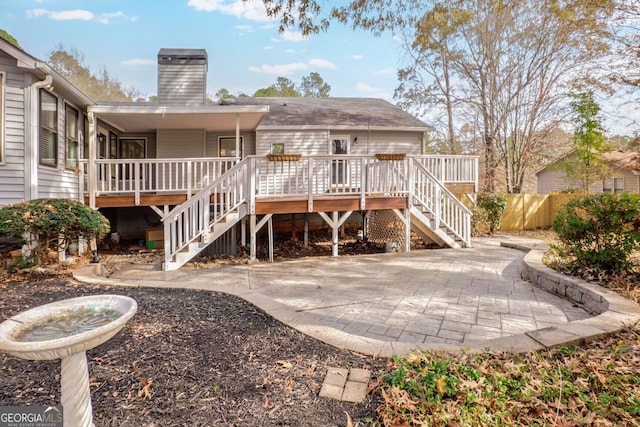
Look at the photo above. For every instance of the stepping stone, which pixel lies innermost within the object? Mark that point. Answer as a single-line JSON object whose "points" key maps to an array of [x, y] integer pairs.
{"points": [[346, 385]]}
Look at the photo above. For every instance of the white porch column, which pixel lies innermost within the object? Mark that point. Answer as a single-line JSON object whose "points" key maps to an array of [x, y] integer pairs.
{"points": [[238, 146], [92, 185]]}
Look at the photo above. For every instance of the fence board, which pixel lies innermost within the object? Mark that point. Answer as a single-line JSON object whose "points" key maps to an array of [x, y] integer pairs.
{"points": [[532, 211]]}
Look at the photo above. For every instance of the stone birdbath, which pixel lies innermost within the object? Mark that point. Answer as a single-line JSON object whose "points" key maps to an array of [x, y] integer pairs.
{"points": [[66, 330]]}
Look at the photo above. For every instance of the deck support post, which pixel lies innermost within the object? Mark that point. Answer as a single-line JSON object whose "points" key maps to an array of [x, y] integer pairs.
{"points": [[335, 222], [255, 226], [306, 230], [405, 216], [243, 232]]}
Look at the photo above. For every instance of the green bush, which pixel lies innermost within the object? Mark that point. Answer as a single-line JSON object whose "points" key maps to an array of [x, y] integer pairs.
{"points": [[488, 213], [48, 219], [599, 231]]}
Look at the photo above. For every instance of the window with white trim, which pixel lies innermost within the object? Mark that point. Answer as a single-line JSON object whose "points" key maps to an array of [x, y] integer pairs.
{"points": [[227, 146], [613, 185], [72, 137], [48, 129]]}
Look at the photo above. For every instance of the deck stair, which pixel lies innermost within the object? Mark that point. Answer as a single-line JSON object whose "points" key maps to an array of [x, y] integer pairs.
{"points": [[435, 213], [192, 226]]}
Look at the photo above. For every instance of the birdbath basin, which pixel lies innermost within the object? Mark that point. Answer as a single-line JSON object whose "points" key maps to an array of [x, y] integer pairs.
{"points": [[66, 330]]}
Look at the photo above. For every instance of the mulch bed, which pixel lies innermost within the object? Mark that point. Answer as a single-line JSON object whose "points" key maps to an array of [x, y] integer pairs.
{"points": [[188, 358]]}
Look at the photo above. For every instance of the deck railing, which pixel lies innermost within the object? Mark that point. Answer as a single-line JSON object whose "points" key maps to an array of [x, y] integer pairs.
{"points": [[193, 219], [121, 176], [452, 169], [443, 206], [311, 176]]}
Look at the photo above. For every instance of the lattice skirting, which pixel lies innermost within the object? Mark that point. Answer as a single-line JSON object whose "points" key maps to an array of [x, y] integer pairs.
{"points": [[385, 227]]}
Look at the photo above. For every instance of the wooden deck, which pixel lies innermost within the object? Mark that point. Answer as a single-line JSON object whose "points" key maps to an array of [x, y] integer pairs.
{"points": [[273, 205]]}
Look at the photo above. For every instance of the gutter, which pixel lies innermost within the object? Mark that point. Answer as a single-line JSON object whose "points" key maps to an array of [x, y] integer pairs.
{"points": [[31, 154]]}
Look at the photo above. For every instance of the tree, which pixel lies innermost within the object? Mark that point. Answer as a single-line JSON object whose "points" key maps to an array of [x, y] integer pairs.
{"points": [[100, 87], [503, 66], [8, 37], [512, 62], [589, 143], [282, 87], [47, 220], [313, 85]]}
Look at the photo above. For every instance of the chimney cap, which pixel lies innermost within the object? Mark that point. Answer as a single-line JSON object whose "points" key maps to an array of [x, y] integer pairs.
{"points": [[182, 56]]}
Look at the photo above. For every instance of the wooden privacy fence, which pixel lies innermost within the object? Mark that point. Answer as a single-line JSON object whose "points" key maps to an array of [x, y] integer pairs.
{"points": [[532, 211]]}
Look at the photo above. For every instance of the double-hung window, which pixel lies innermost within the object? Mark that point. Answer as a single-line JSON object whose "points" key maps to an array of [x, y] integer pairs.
{"points": [[72, 137], [48, 129]]}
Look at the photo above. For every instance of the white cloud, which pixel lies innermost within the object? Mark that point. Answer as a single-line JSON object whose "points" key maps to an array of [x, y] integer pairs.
{"points": [[268, 48], [279, 70], [243, 27], [322, 63], [138, 61], [293, 36], [79, 15], [358, 56], [289, 51], [65, 15], [363, 87], [252, 10]]}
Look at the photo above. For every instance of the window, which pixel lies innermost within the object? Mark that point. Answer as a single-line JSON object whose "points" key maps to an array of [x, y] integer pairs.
{"points": [[48, 129], [132, 148], [618, 185], [277, 148], [1, 118], [84, 140], [613, 185], [339, 170], [72, 137], [228, 146]]}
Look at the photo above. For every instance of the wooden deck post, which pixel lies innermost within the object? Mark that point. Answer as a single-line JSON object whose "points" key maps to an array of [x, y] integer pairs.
{"points": [[335, 222]]}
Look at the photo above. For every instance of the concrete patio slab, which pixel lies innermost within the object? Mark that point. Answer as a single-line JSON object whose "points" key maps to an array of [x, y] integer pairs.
{"points": [[495, 296]]}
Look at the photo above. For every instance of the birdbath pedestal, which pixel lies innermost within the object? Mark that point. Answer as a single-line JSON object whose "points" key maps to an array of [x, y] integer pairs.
{"points": [[66, 330]]}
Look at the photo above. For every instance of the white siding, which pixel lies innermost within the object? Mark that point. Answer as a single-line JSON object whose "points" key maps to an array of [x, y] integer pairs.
{"points": [[308, 142], [12, 169], [555, 180], [180, 143], [369, 143], [316, 142]]}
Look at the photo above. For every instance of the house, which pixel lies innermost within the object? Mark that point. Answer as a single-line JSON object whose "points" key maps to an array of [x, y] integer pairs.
{"points": [[625, 175], [198, 173]]}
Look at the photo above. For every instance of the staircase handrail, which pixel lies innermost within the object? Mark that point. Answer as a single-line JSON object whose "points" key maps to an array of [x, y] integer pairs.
{"points": [[446, 208], [192, 219]]}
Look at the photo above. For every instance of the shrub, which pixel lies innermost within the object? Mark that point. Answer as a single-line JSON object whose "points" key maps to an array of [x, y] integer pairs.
{"points": [[599, 231], [488, 213], [48, 219]]}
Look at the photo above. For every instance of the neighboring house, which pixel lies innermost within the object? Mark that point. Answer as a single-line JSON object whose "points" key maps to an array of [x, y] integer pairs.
{"points": [[625, 176], [199, 171]]}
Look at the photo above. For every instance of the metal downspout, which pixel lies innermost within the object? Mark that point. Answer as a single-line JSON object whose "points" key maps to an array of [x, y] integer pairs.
{"points": [[32, 156]]}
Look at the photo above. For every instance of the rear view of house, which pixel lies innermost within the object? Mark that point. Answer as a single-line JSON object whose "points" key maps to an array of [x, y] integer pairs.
{"points": [[197, 172]]}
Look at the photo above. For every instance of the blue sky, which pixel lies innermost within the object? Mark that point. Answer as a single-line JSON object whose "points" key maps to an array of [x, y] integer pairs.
{"points": [[246, 51]]}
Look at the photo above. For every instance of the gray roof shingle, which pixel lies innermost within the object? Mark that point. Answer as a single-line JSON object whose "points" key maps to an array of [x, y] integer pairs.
{"points": [[335, 112]]}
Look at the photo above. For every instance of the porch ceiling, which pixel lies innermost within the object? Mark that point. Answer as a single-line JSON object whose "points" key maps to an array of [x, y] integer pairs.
{"points": [[150, 117]]}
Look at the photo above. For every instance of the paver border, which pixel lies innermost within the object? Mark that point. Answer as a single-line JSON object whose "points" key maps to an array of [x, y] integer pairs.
{"points": [[612, 311]]}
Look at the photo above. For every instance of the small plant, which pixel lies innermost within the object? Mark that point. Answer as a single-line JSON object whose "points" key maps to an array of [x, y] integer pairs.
{"points": [[54, 223], [488, 213], [599, 232]]}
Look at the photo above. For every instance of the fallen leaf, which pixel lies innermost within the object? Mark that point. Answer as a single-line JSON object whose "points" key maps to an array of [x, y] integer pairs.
{"points": [[285, 364]]}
